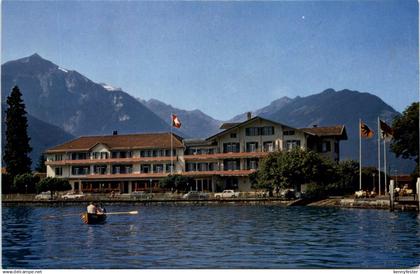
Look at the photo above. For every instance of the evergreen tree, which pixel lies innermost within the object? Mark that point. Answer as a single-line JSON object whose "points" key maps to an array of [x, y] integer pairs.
{"points": [[17, 146], [40, 167]]}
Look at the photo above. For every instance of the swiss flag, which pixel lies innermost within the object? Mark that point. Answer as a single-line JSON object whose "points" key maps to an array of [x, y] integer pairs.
{"points": [[175, 121]]}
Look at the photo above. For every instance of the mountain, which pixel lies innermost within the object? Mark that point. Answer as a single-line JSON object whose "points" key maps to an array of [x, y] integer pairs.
{"points": [[71, 101], [195, 123], [265, 111], [77, 105], [345, 107], [43, 136]]}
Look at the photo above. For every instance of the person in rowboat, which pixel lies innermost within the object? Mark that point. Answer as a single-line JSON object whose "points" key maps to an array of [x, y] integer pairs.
{"points": [[91, 209], [100, 210]]}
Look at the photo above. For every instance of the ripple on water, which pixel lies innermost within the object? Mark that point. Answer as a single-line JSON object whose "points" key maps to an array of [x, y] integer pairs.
{"points": [[228, 236]]}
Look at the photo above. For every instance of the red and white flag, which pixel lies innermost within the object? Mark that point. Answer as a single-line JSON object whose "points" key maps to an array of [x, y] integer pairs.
{"points": [[175, 121]]}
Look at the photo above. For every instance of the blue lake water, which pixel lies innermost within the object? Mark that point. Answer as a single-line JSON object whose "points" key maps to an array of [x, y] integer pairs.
{"points": [[225, 236]]}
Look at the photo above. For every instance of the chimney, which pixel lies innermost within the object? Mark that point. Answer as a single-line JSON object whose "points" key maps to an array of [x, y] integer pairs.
{"points": [[248, 115], [115, 132], [314, 125]]}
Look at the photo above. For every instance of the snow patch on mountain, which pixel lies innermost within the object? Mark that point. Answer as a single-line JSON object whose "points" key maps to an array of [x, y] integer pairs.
{"points": [[124, 117], [63, 69], [109, 87], [118, 102]]}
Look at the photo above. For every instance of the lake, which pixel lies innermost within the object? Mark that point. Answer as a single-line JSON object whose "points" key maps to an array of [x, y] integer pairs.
{"points": [[213, 236]]}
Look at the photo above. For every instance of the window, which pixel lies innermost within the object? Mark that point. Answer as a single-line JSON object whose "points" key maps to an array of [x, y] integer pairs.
{"points": [[158, 168], [268, 146], [252, 163], [146, 153], [203, 167], [197, 151], [161, 153], [121, 154], [79, 156], [230, 147], [104, 155], [267, 131], [168, 168], [291, 144], [58, 157], [233, 135], [190, 166], [58, 171], [336, 147], [122, 169], [80, 170], [289, 132], [99, 169], [251, 147], [231, 164], [200, 166], [326, 146], [145, 168], [252, 131]]}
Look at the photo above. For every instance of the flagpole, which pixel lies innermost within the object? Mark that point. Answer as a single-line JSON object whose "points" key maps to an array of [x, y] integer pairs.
{"points": [[379, 158], [385, 164], [360, 154], [172, 145]]}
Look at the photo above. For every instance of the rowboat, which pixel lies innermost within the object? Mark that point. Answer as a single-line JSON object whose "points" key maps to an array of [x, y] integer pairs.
{"points": [[89, 218]]}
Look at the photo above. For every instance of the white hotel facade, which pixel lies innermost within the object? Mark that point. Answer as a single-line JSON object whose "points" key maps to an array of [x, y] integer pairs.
{"points": [[136, 162]]}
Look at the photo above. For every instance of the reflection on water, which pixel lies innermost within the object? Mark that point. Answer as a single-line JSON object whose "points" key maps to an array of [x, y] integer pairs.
{"points": [[18, 237], [229, 236]]}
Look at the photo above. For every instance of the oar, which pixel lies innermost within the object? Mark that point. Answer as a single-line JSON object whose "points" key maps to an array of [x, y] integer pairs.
{"points": [[127, 212], [64, 215], [110, 213]]}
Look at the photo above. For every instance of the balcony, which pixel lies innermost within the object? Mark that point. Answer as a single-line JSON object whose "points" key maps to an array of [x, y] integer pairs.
{"points": [[221, 173], [228, 155], [126, 176], [111, 161]]}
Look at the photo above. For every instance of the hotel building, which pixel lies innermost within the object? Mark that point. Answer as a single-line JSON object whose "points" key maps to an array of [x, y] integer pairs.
{"points": [[136, 162]]}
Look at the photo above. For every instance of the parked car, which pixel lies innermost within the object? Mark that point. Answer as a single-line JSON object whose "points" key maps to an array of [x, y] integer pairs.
{"points": [[195, 195], [141, 195], [43, 196], [72, 195], [228, 193], [288, 193]]}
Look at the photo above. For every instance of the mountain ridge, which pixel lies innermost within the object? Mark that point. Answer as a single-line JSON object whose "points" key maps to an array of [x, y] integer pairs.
{"points": [[71, 101], [195, 123]]}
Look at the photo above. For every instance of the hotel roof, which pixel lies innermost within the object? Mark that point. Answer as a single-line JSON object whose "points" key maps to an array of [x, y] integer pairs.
{"points": [[231, 126], [228, 125], [338, 130], [115, 142]]}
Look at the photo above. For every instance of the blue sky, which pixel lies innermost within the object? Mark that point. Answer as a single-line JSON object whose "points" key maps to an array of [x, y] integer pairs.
{"points": [[225, 58]]}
